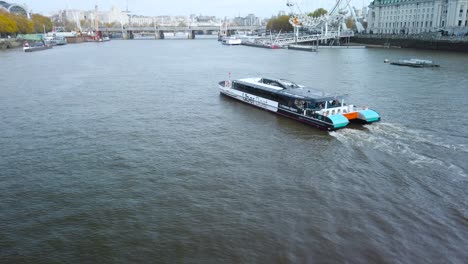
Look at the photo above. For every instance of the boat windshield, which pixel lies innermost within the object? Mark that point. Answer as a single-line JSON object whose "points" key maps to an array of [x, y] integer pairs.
{"points": [[289, 84]]}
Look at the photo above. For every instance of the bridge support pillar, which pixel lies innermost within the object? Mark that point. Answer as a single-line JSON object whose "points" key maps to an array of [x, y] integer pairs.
{"points": [[160, 34], [296, 34], [192, 34]]}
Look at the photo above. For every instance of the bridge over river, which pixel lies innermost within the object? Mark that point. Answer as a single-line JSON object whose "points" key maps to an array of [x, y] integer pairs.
{"points": [[158, 31]]}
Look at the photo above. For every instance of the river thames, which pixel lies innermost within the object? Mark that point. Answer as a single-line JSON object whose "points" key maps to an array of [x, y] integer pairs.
{"points": [[125, 152]]}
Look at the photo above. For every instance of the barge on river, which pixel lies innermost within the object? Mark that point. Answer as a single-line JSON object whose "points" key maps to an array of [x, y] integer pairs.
{"points": [[298, 102], [415, 63]]}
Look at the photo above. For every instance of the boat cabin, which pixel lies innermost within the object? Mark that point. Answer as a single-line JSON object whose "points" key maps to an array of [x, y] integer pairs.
{"points": [[289, 94]]}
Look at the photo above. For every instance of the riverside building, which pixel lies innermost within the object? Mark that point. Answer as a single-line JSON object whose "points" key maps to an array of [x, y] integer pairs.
{"points": [[418, 16]]}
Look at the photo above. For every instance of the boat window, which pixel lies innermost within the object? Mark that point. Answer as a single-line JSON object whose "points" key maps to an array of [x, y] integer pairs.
{"points": [[319, 105], [272, 83], [334, 103], [289, 84], [256, 91]]}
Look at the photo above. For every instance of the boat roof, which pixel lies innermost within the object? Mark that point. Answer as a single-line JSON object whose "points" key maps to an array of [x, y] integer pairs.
{"points": [[288, 88]]}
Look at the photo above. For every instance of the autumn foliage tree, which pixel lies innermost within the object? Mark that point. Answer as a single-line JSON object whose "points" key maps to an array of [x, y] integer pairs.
{"points": [[280, 23], [350, 23], [14, 23], [7, 25], [25, 26], [41, 23], [318, 12]]}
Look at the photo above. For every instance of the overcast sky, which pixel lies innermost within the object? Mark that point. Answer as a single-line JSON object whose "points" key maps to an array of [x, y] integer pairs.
{"points": [[219, 8]]}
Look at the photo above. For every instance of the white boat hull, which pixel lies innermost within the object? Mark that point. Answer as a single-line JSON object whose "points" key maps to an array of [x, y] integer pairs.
{"points": [[250, 99], [232, 41]]}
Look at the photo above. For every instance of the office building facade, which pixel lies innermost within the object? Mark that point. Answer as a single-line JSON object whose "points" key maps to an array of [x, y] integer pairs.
{"points": [[417, 16]]}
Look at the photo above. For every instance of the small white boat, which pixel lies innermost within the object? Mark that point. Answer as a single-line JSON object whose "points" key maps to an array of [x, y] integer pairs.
{"points": [[231, 41]]}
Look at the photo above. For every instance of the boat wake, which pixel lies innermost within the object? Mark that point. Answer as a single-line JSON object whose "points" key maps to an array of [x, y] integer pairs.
{"points": [[412, 145]]}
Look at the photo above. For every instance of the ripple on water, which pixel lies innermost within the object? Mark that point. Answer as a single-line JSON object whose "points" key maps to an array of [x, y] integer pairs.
{"points": [[396, 140], [125, 151]]}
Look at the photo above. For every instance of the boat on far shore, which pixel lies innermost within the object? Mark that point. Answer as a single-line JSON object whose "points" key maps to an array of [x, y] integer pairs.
{"points": [[231, 41], [415, 63], [55, 40], [257, 44], [37, 46]]}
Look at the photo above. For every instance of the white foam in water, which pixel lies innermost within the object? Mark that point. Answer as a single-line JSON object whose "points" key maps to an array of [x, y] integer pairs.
{"points": [[399, 131], [398, 140]]}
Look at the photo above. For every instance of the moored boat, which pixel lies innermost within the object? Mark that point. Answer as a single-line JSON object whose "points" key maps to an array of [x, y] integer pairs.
{"points": [[298, 102], [37, 46], [55, 40], [231, 41], [416, 63]]}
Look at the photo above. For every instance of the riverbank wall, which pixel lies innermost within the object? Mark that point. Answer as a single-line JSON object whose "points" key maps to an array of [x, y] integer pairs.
{"points": [[9, 44], [417, 42]]}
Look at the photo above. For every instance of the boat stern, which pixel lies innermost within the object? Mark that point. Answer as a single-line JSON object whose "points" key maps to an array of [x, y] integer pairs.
{"points": [[368, 116], [339, 121]]}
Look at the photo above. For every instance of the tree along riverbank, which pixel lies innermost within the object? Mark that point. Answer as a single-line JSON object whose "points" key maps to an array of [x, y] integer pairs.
{"points": [[418, 42]]}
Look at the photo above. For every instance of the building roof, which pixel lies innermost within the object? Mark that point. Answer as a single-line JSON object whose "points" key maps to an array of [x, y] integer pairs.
{"points": [[397, 2], [14, 8]]}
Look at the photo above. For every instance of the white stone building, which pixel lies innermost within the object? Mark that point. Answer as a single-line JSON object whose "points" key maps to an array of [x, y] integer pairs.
{"points": [[114, 15], [249, 20], [417, 16], [141, 21]]}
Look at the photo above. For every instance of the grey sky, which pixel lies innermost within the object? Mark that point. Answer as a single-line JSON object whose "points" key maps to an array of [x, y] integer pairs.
{"points": [[220, 8]]}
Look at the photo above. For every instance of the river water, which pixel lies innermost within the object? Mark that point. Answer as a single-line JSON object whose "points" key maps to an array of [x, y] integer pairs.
{"points": [[125, 152]]}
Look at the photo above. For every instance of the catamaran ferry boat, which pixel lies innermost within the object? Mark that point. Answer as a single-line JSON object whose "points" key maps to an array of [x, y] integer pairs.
{"points": [[301, 103]]}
